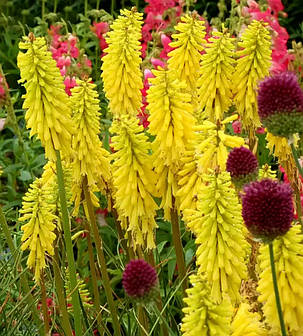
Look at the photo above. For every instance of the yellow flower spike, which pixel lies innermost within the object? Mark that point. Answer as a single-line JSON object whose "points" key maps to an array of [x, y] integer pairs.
{"points": [[121, 72], [254, 60], [246, 323], [212, 151], [39, 213], [218, 225], [172, 122], [203, 316], [288, 258], [91, 159], [49, 179], [48, 110], [266, 172], [189, 179], [280, 147], [134, 180], [185, 59], [83, 291], [215, 82]]}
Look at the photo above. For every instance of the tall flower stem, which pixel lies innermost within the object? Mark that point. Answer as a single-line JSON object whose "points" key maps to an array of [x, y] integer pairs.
{"points": [[127, 249], [275, 283], [24, 284], [94, 278], [69, 248], [44, 305], [178, 246], [295, 155], [143, 321], [101, 260], [151, 260], [61, 294]]}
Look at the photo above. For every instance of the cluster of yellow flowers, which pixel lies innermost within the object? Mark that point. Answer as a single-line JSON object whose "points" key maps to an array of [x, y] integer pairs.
{"points": [[184, 165], [134, 180]]}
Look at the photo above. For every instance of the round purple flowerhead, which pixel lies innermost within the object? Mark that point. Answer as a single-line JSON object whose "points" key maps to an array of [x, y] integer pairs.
{"points": [[280, 104], [140, 280], [267, 208], [242, 166]]}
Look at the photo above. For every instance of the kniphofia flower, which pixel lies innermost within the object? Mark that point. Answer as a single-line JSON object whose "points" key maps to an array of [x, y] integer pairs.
{"points": [[213, 150], [134, 180], [172, 123], [215, 82], [202, 315], [246, 323], [185, 58], [121, 72], [254, 60], [218, 225], [48, 112], [91, 160], [39, 212]]}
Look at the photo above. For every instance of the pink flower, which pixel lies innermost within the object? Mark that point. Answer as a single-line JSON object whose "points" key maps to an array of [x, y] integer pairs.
{"points": [[156, 62], [100, 28], [69, 83], [236, 125]]}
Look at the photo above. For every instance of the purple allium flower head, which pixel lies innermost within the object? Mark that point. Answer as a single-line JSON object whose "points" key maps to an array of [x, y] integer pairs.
{"points": [[139, 278], [280, 104], [267, 208], [241, 162]]}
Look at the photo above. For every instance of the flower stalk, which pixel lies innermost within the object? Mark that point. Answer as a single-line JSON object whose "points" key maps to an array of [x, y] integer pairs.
{"points": [[101, 260], [61, 294], [69, 247], [178, 246], [274, 279]]}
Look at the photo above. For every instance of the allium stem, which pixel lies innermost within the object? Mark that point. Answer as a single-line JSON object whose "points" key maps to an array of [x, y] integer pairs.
{"points": [[143, 326], [275, 283], [295, 155], [178, 247], [24, 284], [69, 248], [101, 260], [61, 294]]}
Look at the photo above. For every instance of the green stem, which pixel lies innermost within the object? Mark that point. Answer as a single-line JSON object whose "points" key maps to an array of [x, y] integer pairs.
{"points": [[55, 6], [178, 247], [98, 4], [61, 294], [101, 260], [275, 283], [112, 7], [85, 7], [143, 326], [69, 248], [43, 11], [294, 153], [24, 284], [97, 303]]}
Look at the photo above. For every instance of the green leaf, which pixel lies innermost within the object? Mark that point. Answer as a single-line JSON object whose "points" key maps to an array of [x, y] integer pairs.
{"points": [[25, 175]]}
